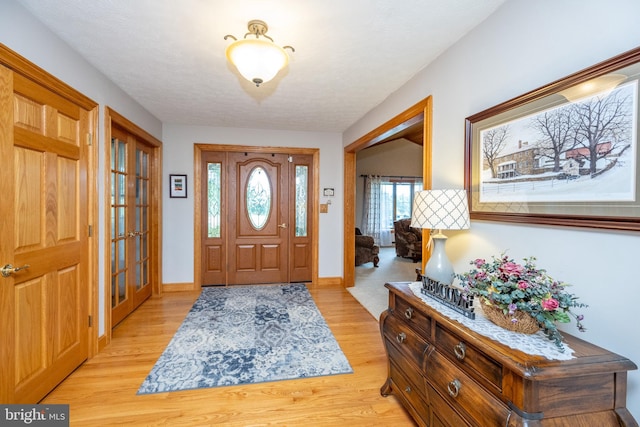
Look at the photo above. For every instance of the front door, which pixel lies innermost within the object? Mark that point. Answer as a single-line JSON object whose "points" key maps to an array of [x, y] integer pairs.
{"points": [[255, 217], [258, 216], [44, 247]]}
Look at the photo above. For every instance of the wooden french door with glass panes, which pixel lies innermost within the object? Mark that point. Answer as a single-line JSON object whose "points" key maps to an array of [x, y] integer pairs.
{"points": [[256, 215], [130, 213]]}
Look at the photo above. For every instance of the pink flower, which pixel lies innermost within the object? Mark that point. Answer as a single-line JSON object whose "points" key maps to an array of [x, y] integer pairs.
{"points": [[480, 275], [511, 268], [479, 262], [522, 284], [550, 304]]}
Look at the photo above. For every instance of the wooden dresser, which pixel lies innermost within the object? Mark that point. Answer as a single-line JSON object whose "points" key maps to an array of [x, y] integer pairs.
{"points": [[448, 375]]}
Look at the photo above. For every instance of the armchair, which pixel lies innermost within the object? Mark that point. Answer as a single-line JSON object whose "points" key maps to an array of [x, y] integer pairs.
{"points": [[366, 249], [408, 240]]}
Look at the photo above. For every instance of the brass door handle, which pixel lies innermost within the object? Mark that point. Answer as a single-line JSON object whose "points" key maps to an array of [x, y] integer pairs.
{"points": [[9, 269], [283, 225]]}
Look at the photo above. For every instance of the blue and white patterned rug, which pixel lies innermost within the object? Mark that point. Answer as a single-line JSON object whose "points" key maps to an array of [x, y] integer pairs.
{"points": [[247, 334]]}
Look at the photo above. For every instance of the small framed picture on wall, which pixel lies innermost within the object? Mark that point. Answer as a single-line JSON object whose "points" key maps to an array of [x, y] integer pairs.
{"points": [[178, 186]]}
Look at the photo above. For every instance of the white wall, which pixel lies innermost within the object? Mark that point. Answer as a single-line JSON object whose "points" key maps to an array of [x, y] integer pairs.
{"points": [[397, 158], [27, 36], [178, 214], [525, 45]]}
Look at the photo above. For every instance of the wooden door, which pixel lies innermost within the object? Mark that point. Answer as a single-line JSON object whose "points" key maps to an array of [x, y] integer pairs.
{"points": [[44, 247], [258, 235], [130, 213]]}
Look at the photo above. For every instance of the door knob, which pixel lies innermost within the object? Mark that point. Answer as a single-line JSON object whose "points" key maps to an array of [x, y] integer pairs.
{"points": [[9, 269], [283, 225]]}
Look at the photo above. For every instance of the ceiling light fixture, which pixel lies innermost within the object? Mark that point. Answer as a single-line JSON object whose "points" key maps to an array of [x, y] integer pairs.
{"points": [[257, 58]]}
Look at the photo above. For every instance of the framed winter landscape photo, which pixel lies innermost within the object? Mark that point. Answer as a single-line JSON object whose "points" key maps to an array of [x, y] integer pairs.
{"points": [[564, 154]]}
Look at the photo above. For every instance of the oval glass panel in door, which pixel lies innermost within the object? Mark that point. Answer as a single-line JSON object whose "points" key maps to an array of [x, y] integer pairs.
{"points": [[258, 197]]}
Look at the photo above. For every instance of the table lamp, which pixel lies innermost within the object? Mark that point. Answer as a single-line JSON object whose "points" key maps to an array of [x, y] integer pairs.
{"points": [[440, 210]]}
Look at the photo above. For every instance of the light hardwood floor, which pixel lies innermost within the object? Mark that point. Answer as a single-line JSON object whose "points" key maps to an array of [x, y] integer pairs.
{"points": [[102, 392]]}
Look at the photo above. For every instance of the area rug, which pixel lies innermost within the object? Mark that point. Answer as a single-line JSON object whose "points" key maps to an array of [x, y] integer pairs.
{"points": [[247, 334]]}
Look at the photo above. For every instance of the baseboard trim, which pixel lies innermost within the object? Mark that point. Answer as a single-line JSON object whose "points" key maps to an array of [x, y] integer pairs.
{"points": [[182, 287], [330, 281], [102, 343], [178, 287]]}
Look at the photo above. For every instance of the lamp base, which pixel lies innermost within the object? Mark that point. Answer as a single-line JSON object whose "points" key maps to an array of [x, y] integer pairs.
{"points": [[439, 267]]}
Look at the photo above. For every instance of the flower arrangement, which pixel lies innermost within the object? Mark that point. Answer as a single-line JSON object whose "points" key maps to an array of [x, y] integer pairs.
{"points": [[515, 289]]}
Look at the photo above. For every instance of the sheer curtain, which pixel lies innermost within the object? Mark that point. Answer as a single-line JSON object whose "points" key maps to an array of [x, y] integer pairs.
{"points": [[386, 213], [371, 207]]}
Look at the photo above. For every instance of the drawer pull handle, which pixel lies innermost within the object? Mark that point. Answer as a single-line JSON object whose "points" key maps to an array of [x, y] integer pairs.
{"points": [[460, 350], [454, 388], [407, 389], [401, 337], [408, 313]]}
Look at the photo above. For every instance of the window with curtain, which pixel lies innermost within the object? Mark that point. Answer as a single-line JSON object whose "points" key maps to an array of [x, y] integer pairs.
{"points": [[386, 200]]}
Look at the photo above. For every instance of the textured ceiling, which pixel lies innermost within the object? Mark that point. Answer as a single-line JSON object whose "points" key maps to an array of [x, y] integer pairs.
{"points": [[349, 54]]}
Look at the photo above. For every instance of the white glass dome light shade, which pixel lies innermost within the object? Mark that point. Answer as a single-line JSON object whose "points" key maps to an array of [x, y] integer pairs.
{"points": [[258, 60], [601, 86]]}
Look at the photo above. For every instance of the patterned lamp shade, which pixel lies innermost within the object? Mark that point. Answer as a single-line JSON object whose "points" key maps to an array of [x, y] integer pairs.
{"points": [[441, 210]]}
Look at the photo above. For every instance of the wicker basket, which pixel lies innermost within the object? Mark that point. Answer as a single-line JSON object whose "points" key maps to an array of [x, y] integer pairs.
{"points": [[525, 324]]}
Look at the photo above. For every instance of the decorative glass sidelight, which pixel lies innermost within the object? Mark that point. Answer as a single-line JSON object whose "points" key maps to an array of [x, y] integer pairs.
{"points": [[258, 198], [302, 174], [214, 172]]}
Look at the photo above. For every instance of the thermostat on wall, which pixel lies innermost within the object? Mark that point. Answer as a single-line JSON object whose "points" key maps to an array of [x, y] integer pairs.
{"points": [[328, 192]]}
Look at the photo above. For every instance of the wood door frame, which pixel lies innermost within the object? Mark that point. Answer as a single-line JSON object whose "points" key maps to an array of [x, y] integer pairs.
{"points": [[20, 65], [111, 118], [198, 174], [420, 111]]}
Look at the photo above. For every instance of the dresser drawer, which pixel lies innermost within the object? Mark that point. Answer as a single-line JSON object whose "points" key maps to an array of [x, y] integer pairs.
{"points": [[443, 415], [418, 320], [464, 394], [411, 345], [465, 355], [408, 369], [412, 389]]}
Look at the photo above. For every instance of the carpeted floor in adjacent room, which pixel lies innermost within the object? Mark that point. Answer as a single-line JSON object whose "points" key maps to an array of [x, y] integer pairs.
{"points": [[369, 287]]}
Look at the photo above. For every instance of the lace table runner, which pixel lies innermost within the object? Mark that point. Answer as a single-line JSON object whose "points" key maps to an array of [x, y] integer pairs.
{"points": [[536, 344]]}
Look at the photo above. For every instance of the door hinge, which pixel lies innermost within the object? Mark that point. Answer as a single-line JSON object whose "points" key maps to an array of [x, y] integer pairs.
{"points": [[90, 321], [290, 159], [91, 231], [89, 138]]}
